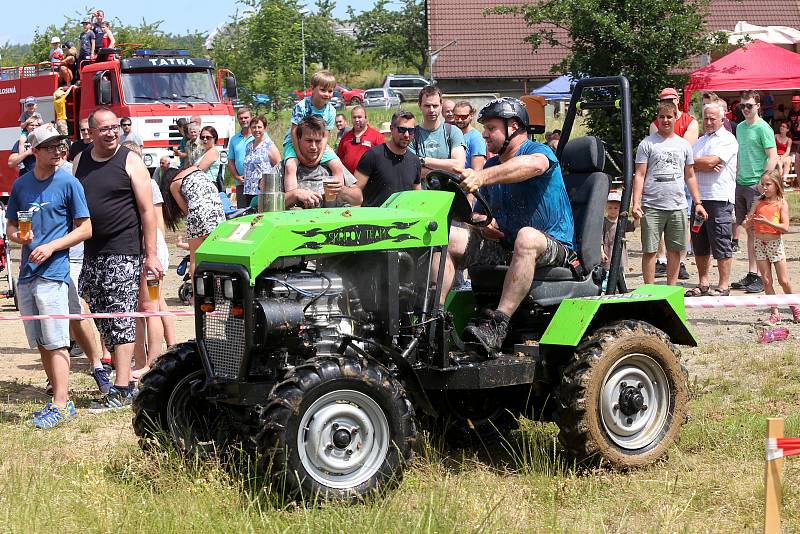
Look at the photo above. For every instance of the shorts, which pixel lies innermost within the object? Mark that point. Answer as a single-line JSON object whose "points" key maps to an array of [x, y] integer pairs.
{"points": [[714, 237], [61, 126], [482, 251], [110, 283], [746, 195], [289, 152], [39, 296], [673, 224], [771, 250], [75, 299]]}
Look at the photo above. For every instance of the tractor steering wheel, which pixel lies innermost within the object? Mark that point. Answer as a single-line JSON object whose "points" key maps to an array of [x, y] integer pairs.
{"points": [[438, 180]]}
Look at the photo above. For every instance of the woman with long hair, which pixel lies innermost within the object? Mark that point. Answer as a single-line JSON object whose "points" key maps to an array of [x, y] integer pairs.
{"points": [[261, 155], [209, 161]]}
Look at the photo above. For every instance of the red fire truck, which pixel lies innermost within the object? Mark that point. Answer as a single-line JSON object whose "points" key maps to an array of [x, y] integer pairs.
{"points": [[154, 88]]}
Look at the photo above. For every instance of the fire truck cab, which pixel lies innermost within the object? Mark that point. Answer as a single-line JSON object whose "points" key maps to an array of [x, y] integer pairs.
{"points": [[154, 88]]}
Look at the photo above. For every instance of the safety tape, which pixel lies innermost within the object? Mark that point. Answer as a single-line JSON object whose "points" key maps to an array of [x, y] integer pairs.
{"points": [[781, 447], [743, 301], [120, 315]]}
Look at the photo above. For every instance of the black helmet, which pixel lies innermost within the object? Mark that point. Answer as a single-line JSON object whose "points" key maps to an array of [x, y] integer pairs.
{"points": [[506, 108]]}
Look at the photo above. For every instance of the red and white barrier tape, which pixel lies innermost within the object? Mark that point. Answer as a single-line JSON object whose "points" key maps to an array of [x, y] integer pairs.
{"points": [[781, 447], [743, 301], [177, 313]]}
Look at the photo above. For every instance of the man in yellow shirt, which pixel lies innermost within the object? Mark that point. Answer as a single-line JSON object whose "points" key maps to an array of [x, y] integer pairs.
{"points": [[60, 108]]}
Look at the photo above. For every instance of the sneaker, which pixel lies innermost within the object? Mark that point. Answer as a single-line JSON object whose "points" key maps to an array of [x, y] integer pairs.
{"points": [[489, 332], [45, 409], [133, 387], [734, 246], [795, 313], [683, 274], [54, 416], [115, 399], [745, 281], [75, 350], [756, 286], [100, 376], [661, 269]]}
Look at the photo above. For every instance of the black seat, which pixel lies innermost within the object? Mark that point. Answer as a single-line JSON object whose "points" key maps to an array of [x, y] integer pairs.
{"points": [[587, 186]]}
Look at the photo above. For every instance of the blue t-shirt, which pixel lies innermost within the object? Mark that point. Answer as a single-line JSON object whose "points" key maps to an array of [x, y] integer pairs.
{"points": [[55, 203], [540, 202], [433, 143], [236, 151], [475, 146]]}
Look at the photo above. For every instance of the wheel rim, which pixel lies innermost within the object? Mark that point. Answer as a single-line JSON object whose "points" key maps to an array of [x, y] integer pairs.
{"points": [[191, 421], [635, 401], [343, 439]]}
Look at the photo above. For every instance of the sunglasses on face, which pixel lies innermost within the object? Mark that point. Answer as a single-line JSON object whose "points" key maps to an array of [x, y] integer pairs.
{"points": [[748, 106], [206, 137], [405, 130], [461, 117], [125, 124], [84, 129]]}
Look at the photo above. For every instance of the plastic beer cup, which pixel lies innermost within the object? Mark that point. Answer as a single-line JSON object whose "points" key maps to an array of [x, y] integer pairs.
{"points": [[327, 186], [153, 284], [24, 221]]}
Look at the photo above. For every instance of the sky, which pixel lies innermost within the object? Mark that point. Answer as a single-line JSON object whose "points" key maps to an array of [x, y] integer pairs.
{"points": [[19, 21]]}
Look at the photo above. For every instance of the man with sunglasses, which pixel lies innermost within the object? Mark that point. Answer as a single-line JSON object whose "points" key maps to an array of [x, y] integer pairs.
{"points": [[387, 168], [55, 202], [757, 153], [81, 144], [127, 134], [358, 140], [463, 114]]}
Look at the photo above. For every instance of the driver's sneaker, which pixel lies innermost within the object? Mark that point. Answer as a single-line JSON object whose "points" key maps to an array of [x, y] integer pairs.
{"points": [[52, 416], [117, 398], [489, 331]]}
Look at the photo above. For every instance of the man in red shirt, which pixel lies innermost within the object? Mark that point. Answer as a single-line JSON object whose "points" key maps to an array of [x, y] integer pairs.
{"points": [[358, 140]]}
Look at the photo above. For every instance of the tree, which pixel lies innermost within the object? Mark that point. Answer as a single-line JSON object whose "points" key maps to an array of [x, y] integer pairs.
{"points": [[398, 36], [333, 51], [645, 40]]}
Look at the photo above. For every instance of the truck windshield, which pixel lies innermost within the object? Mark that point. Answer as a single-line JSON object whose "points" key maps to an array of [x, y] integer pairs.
{"points": [[145, 87]]}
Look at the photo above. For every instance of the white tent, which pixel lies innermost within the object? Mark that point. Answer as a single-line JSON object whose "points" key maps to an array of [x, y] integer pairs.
{"points": [[780, 35]]}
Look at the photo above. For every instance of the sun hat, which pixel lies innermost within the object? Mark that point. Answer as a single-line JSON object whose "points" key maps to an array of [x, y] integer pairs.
{"points": [[668, 92]]}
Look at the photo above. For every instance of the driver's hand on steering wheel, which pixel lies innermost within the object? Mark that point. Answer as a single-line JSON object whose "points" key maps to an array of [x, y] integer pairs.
{"points": [[491, 232], [470, 179]]}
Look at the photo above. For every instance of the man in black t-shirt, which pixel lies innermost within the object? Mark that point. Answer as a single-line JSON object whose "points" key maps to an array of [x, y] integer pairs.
{"points": [[387, 168]]}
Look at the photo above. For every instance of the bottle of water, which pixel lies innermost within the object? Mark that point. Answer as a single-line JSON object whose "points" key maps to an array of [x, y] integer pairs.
{"points": [[774, 334]]}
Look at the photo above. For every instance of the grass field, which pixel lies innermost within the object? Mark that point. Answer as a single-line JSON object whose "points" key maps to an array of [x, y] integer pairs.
{"points": [[90, 476]]}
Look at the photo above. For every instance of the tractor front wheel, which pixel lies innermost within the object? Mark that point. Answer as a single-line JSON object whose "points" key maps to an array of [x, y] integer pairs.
{"points": [[623, 396], [336, 428]]}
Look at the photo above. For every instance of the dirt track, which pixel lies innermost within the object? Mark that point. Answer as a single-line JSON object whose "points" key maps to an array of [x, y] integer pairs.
{"points": [[20, 366]]}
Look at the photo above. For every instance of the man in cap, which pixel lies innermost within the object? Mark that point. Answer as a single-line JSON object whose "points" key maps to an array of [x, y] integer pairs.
{"points": [[54, 203], [533, 224]]}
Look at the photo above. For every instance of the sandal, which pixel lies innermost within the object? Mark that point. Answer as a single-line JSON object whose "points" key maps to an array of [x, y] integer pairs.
{"points": [[699, 291], [719, 292]]}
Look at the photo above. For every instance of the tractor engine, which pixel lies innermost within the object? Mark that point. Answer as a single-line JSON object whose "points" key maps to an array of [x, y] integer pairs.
{"points": [[314, 305]]}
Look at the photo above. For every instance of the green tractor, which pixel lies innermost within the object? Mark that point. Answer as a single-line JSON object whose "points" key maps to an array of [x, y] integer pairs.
{"points": [[321, 344]]}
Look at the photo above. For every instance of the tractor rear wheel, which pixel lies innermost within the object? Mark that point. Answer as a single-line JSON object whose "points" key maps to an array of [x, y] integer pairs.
{"points": [[336, 428], [167, 411], [622, 398]]}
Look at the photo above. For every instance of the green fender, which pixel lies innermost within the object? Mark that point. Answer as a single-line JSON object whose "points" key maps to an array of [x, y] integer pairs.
{"points": [[662, 306]]}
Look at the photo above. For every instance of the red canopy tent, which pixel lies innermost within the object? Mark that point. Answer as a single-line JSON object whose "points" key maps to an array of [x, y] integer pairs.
{"points": [[757, 65]]}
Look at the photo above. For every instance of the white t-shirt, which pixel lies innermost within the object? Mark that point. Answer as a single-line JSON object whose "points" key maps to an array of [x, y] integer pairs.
{"points": [[717, 185], [666, 161]]}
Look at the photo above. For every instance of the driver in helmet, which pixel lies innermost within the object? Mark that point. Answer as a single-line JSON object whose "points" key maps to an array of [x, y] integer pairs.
{"points": [[532, 225]]}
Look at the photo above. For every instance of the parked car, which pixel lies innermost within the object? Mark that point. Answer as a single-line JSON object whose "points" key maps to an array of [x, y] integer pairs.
{"points": [[407, 86], [381, 97]]}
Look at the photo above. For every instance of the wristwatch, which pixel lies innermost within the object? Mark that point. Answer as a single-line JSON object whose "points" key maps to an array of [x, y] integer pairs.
{"points": [[422, 162]]}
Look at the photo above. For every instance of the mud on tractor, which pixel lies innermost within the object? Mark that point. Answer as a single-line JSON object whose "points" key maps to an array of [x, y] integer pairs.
{"points": [[321, 345]]}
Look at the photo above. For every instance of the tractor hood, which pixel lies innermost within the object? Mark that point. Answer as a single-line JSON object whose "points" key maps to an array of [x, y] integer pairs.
{"points": [[410, 219]]}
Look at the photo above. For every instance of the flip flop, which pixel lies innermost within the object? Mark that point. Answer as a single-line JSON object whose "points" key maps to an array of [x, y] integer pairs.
{"points": [[699, 291]]}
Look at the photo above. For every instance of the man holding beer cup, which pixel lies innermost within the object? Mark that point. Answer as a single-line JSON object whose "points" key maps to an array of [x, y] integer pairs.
{"points": [[47, 214]]}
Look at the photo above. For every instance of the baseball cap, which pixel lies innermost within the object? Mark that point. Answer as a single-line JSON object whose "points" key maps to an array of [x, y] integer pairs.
{"points": [[45, 132], [30, 100], [615, 196], [668, 92], [796, 98], [86, 20], [385, 128], [55, 40]]}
